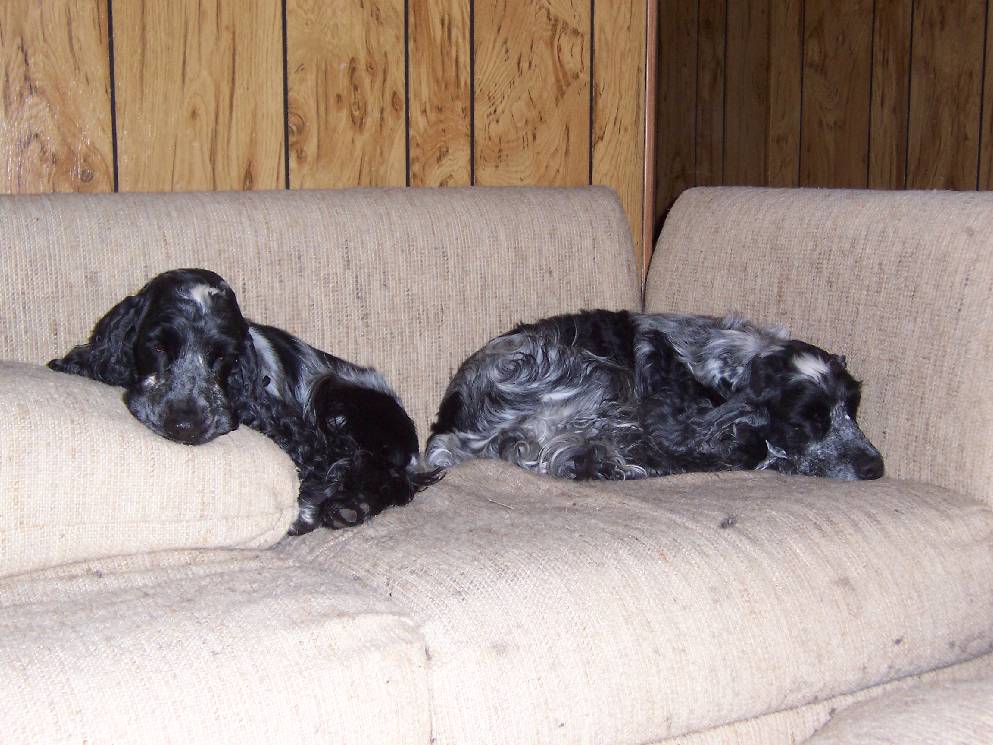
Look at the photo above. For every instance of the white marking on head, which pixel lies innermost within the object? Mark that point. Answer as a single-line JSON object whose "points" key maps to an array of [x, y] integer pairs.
{"points": [[811, 366], [200, 294]]}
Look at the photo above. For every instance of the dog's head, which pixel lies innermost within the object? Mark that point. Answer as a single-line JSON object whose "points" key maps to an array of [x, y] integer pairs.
{"points": [[809, 403], [172, 347]]}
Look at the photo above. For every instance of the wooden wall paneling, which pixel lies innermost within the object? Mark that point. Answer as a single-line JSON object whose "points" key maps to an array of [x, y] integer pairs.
{"points": [[711, 27], [890, 94], [532, 92], [199, 94], [746, 92], [675, 112], [619, 107], [439, 86], [946, 79], [985, 176], [346, 91], [786, 22], [837, 70], [55, 117]]}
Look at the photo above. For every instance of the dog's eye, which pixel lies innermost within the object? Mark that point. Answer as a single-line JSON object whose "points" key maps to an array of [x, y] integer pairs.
{"points": [[158, 349]]}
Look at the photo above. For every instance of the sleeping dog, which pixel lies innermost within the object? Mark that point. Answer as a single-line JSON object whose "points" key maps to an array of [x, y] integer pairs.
{"points": [[194, 368], [618, 395]]}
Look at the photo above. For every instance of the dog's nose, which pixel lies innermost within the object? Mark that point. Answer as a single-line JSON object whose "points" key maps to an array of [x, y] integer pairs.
{"points": [[869, 466], [184, 425]]}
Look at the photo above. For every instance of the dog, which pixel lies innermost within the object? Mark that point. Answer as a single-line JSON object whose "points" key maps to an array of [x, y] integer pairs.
{"points": [[618, 395], [194, 368]]}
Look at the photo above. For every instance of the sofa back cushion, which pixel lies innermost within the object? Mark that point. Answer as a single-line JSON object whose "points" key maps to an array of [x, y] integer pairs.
{"points": [[407, 280], [899, 282]]}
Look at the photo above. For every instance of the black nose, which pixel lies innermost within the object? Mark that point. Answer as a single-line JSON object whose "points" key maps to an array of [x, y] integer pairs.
{"points": [[869, 466], [184, 425]]}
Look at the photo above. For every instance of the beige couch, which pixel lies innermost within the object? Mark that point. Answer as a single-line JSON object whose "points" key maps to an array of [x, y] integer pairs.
{"points": [[147, 597]]}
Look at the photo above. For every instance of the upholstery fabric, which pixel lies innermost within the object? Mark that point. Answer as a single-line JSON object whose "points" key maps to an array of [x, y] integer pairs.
{"points": [[203, 648], [560, 612], [900, 282], [80, 478], [795, 725], [941, 713], [410, 281]]}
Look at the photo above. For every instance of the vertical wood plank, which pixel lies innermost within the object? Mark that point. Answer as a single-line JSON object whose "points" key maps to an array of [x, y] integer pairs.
{"points": [[619, 107], [746, 92], [55, 121], [439, 44], [675, 113], [837, 71], [986, 133], [710, 62], [946, 79], [199, 94], [347, 115], [785, 92], [532, 87], [890, 94]]}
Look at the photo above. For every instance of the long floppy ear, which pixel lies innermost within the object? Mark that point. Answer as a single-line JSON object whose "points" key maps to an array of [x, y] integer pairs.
{"points": [[108, 356]]}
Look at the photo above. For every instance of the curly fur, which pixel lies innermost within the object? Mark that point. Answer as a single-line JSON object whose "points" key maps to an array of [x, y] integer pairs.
{"points": [[616, 395], [193, 368]]}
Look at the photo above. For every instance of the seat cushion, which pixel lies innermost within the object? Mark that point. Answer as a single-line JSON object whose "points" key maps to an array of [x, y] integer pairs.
{"points": [[949, 713], [556, 611], [81, 478], [204, 648]]}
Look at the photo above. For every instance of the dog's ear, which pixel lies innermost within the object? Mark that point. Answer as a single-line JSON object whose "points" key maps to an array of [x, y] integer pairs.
{"points": [[108, 356]]}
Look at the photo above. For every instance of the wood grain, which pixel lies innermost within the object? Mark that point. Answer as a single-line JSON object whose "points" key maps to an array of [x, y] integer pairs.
{"points": [[55, 118], [532, 88], [711, 67], [440, 115], [947, 59], [199, 94], [890, 94], [619, 107], [675, 112], [746, 92], [837, 70], [985, 177], [785, 92], [346, 93]]}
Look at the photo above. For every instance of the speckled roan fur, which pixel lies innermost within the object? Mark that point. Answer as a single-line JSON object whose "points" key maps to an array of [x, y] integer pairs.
{"points": [[617, 395]]}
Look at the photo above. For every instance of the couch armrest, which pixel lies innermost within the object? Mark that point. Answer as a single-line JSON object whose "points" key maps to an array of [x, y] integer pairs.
{"points": [[900, 282]]}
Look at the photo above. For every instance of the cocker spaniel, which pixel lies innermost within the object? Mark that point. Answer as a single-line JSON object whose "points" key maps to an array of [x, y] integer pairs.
{"points": [[194, 368], [616, 395]]}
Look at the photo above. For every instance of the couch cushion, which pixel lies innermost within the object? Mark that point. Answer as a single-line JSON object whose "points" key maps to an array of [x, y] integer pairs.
{"points": [[408, 280], [900, 282], [568, 612], [81, 478], [949, 713], [206, 647]]}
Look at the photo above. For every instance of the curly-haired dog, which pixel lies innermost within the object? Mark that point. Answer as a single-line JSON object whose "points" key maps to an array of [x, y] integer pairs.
{"points": [[194, 368], [614, 395]]}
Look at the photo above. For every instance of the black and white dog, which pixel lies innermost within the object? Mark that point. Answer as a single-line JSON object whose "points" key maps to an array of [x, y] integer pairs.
{"points": [[194, 368], [618, 395]]}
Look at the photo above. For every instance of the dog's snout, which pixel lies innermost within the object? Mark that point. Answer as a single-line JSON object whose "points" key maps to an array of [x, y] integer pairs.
{"points": [[869, 466], [184, 424]]}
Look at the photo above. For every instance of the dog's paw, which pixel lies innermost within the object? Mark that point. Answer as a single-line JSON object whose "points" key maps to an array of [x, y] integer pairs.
{"points": [[339, 516]]}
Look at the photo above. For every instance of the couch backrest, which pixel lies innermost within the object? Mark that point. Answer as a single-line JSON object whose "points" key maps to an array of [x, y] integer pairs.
{"points": [[900, 282], [408, 280]]}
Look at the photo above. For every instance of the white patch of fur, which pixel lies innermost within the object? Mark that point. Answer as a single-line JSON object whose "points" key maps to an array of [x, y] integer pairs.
{"points": [[269, 362], [812, 367], [200, 294]]}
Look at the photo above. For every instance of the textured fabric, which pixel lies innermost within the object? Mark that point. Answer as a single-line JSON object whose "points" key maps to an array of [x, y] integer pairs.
{"points": [[942, 713], [408, 280], [205, 648], [900, 282], [558, 612], [792, 726], [81, 478]]}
